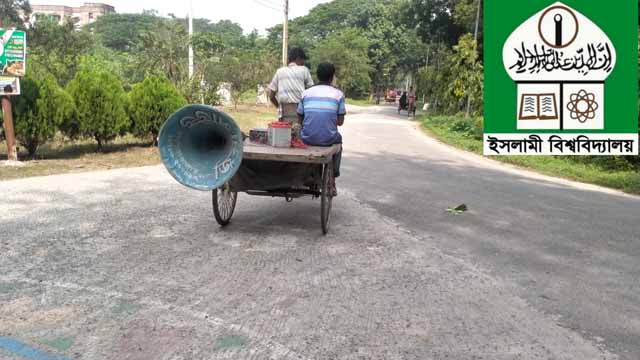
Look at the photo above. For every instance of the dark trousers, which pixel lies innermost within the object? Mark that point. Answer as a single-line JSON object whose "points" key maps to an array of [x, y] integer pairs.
{"points": [[337, 159]]}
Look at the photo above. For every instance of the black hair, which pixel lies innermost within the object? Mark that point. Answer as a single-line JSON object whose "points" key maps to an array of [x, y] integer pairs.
{"points": [[325, 72], [296, 53]]}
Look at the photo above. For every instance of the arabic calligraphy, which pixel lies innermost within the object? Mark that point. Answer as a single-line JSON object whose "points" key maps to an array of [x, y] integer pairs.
{"points": [[536, 59]]}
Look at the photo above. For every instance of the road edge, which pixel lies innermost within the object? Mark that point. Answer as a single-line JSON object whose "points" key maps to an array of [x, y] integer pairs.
{"points": [[515, 169]]}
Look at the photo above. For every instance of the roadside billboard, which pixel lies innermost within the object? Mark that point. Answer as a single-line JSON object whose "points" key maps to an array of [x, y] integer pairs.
{"points": [[9, 86], [13, 49]]}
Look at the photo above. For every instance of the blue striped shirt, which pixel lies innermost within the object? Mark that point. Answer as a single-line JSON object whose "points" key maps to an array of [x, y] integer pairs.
{"points": [[320, 106]]}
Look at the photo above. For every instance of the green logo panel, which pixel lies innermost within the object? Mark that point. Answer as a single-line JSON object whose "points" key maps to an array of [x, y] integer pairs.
{"points": [[561, 78]]}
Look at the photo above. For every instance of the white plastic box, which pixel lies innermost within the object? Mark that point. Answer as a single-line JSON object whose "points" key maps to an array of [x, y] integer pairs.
{"points": [[280, 134]]}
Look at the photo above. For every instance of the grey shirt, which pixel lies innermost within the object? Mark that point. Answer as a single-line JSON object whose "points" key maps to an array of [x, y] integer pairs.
{"points": [[290, 82]]}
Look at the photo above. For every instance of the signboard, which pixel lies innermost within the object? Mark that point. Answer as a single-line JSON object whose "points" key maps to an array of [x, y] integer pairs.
{"points": [[561, 78], [9, 86], [13, 45]]}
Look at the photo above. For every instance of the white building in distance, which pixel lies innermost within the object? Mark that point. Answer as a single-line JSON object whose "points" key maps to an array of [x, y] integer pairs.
{"points": [[82, 15]]}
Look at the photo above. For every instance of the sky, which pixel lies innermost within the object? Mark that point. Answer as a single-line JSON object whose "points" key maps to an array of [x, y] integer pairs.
{"points": [[250, 14]]}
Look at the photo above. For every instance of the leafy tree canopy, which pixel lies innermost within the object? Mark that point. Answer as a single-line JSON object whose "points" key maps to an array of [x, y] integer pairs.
{"points": [[13, 13], [42, 108], [348, 51], [151, 102], [123, 32], [100, 104]]}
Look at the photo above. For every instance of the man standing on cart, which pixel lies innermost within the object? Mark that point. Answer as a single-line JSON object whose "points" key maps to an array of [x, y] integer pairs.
{"points": [[321, 111], [287, 86]]}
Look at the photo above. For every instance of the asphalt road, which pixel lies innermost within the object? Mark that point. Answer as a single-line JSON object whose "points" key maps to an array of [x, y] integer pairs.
{"points": [[127, 264]]}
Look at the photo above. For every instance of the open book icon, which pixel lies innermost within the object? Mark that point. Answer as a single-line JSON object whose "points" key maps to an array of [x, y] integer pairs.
{"points": [[538, 107]]}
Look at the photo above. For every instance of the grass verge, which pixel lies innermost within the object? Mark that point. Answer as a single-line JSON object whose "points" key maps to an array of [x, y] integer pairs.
{"points": [[62, 155], [360, 102], [466, 135]]}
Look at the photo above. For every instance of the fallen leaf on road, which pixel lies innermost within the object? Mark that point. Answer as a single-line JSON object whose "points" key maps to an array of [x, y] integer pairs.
{"points": [[458, 209]]}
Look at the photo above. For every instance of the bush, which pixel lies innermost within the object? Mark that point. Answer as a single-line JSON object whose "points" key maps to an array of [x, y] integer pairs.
{"points": [[463, 126], [39, 112], [151, 103], [100, 103]]}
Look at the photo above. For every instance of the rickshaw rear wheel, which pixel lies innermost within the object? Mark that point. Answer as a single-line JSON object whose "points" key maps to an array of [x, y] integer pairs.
{"points": [[224, 204], [326, 197]]}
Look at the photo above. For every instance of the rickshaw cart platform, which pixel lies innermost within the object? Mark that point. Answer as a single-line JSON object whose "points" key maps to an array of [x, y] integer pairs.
{"points": [[280, 172]]}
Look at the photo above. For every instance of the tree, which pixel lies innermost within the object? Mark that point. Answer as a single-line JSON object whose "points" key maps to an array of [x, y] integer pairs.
{"points": [[208, 48], [434, 79], [245, 69], [100, 103], [467, 16], [151, 102], [469, 75], [165, 46], [40, 110], [229, 33], [123, 32], [14, 12], [393, 41], [348, 52], [58, 48], [434, 20]]}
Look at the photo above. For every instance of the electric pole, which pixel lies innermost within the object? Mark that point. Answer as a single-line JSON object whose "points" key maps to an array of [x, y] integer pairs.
{"points": [[475, 37], [285, 34], [190, 39], [475, 34]]}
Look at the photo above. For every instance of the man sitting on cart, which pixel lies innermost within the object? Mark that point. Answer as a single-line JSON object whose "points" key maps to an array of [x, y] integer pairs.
{"points": [[321, 111]]}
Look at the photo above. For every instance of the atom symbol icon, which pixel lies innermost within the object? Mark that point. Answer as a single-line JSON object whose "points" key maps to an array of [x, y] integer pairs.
{"points": [[582, 106]]}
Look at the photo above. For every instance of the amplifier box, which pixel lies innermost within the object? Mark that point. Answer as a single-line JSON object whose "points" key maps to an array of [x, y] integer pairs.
{"points": [[260, 136]]}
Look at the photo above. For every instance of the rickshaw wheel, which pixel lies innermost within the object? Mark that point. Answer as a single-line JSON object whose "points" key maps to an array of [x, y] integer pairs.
{"points": [[326, 197], [224, 203]]}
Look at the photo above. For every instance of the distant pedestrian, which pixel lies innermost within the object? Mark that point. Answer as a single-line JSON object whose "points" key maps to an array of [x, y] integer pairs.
{"points": [[411, 97]]}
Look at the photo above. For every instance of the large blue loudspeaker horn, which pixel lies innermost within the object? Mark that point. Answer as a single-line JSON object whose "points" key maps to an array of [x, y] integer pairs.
{"points": [[201, 147]]}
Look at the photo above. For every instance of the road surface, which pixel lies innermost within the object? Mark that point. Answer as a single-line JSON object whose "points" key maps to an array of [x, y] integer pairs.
{"points": [[127, 264]]}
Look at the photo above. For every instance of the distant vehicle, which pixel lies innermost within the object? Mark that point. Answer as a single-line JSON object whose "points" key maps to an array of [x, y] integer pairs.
{"points": [[391, 96], [404, 104]]}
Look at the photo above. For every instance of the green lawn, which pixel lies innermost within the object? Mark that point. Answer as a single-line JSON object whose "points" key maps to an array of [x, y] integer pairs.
{"points": [[466, 134]]}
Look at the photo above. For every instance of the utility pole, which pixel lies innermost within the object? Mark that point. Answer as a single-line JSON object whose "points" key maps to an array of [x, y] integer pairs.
{"points": [[475, 36], [285, 34], [190, 39]]}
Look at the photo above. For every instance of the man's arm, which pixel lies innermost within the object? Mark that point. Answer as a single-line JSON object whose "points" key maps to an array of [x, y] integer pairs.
{"points": [[308, 79], [273, 90], [272, 97], [342, 111]]}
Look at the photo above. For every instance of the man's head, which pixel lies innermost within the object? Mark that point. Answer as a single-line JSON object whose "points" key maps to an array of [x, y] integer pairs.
{"points": [[297, 56], [411, 88], [325, 72]]}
